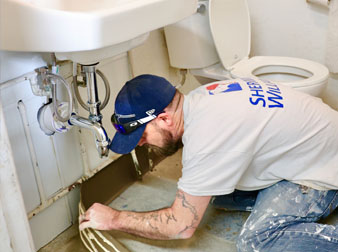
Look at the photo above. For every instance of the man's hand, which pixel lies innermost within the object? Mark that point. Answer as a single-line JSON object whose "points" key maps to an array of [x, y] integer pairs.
{"points": [[98, 216]]}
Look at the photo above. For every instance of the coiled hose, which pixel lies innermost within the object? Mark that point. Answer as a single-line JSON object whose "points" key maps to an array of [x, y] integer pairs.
{"points": [[54, 78], [78, 96]]}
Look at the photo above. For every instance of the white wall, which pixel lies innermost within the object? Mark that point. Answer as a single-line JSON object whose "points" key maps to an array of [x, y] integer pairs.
{"points": [[292, 28], [152, 58]]}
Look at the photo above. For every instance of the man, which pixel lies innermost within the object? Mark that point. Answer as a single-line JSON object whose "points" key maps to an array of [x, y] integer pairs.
{"points": [[239, 136]]}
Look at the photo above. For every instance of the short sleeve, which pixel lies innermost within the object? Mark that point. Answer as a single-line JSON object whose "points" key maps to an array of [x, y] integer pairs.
{"points": [[216, 173]]}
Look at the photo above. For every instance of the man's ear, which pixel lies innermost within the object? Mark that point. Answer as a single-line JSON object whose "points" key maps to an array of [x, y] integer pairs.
{"points": [[165, 119]]}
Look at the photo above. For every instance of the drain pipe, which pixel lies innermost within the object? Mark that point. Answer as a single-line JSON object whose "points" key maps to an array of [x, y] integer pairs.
{"points": [[101, 138], [83, 151], [59, 117], [89, 74], [93, 98], [49, 125]]}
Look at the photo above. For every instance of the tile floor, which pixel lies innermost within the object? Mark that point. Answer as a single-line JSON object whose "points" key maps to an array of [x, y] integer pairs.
{"points": [[217, 232]]}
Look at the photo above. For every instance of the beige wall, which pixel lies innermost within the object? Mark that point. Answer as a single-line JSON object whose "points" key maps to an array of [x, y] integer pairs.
{"points": [[152, 58]]}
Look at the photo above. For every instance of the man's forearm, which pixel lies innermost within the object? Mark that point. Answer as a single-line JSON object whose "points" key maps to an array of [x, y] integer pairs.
{"points": [[161, 224], [176, 222]]}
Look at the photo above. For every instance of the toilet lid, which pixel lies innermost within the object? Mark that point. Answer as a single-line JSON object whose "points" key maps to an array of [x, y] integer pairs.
{"points": [[318, 73], [230, 29]]}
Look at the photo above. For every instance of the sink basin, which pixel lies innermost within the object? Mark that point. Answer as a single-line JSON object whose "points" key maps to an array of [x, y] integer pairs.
{"points": [[82, 25]]}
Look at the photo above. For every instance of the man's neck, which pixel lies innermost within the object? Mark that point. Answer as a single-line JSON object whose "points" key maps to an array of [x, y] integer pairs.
{"points": [[179, 117]]}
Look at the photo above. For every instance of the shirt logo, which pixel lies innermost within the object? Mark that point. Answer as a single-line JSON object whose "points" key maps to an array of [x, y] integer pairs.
{"points": [[223, 88]]}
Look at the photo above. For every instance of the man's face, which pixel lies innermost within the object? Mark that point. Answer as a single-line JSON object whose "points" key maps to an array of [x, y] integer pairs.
{"points": [[160, 140]]}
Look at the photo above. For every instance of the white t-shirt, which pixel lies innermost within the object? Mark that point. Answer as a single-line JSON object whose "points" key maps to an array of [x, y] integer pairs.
{"points": [[248, 134]]}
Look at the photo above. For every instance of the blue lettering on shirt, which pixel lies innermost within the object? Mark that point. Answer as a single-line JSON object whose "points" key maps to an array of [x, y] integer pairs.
{"points": [[271, 97], [254, 101]]}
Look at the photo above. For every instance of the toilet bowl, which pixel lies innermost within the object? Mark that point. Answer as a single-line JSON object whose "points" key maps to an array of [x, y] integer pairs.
{"points": [[214, 44]]}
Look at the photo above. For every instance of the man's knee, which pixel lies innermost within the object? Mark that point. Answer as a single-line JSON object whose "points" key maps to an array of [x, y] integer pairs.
{"points": [[245, 241], [255, 237]]}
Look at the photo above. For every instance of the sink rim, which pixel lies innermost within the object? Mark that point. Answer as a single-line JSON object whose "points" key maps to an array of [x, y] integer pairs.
{"points": [[15, 31]]}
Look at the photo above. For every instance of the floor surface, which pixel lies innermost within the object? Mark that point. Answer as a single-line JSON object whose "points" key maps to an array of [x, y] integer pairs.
{"points": [[217, 231]]}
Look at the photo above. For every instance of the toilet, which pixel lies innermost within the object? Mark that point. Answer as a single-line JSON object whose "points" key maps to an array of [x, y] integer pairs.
{"points": [[214, 44]]}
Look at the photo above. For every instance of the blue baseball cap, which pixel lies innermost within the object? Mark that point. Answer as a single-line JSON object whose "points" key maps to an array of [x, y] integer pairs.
{"points": [[139, 101]]}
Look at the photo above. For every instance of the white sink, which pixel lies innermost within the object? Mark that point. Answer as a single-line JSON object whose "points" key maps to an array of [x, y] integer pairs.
{"points": [[82, 25]]}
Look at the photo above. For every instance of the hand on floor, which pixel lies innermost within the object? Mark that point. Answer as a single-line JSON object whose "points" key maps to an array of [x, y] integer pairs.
{"points": [[98, 216]]}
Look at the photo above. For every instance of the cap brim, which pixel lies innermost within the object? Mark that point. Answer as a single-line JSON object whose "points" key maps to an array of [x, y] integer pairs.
{"points": [[125, 143]]}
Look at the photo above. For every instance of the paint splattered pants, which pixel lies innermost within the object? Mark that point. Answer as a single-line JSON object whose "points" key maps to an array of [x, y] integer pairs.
{"points": [[284, 217]]}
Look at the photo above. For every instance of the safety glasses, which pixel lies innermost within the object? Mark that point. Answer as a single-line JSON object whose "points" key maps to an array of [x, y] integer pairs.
{"points": [[126, 128]]}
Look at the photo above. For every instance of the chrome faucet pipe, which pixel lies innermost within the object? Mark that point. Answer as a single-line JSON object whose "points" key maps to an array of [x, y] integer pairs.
{"points": [[93, 98], [101, 138]]}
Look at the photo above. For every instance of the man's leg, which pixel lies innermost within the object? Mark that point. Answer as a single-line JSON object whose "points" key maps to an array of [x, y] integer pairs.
{"points": [[284, 219]]}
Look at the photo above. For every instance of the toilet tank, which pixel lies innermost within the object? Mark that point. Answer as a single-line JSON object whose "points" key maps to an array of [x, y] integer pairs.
{"points": [[190, 43]]}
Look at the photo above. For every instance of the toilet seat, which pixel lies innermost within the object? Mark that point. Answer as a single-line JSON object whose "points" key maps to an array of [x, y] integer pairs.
{"points": [[314, 75], [312, 72], [233, 48]]}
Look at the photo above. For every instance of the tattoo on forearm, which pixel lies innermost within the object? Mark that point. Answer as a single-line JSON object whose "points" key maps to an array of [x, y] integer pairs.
{"points": [[170, 217], [153, 227], [154, 220], [186, 204], [146, 219], [151, 218]]}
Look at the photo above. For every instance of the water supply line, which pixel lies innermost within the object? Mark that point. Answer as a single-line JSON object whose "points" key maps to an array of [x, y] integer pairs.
{"points": [[54, 79], [89, 74], [183, 73]]}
